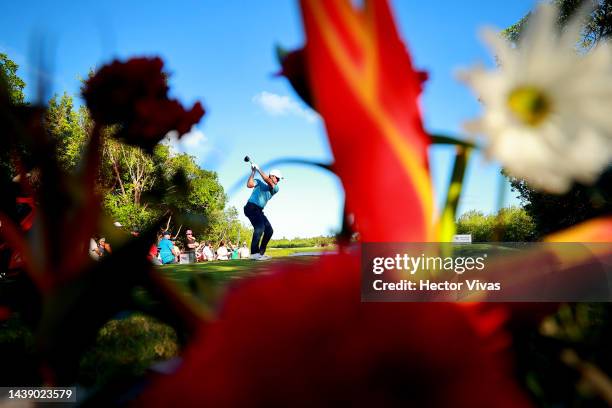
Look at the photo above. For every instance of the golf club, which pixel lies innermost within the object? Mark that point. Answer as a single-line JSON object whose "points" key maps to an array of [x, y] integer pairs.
{"points": [[247, 159]]}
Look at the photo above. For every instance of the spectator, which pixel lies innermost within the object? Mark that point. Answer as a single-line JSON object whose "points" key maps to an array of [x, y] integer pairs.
{"points": [[94, 251], [192, 244], [104, 247], [222, 253], [153, 254], [244, 252], [166, 249], [230, 250], [176, 250], [207, 252], [191, 241]]}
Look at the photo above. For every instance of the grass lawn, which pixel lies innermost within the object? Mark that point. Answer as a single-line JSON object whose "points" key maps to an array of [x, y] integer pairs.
{"points": [[224, 271]]}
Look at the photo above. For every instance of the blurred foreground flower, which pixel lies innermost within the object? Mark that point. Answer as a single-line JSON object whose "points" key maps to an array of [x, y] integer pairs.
{"points": [[301, 337], [134, 95], [547, 108]]}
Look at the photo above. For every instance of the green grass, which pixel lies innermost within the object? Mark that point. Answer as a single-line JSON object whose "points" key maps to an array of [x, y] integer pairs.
{"points": [[206, 282], [238, 268]]}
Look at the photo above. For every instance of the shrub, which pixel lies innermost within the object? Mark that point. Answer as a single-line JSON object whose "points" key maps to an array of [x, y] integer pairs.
{"points": [[511, 224], [124, 349]]}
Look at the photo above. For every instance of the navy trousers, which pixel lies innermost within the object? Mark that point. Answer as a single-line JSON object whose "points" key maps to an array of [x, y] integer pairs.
{"points": [[261, 226]]}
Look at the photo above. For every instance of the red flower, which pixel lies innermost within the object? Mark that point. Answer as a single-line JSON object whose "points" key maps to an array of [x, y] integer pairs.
{"points": [[5, 313], [294, 69], [365, 87], [113, 92], [154, 119], [302, 337], [134, 94]]}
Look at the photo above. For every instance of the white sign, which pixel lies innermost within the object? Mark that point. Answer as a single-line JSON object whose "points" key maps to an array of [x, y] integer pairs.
{"points": [[462, 239]]}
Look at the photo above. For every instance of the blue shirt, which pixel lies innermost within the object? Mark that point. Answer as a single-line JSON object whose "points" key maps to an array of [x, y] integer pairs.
{"points": [[262, 192], [165, 250]]}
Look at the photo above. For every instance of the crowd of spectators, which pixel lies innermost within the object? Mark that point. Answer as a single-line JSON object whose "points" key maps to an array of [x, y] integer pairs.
{"points": [[168, 250]]}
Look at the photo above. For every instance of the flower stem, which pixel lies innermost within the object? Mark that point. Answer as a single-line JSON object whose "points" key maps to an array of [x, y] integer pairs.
{"points": [[447, 223]]}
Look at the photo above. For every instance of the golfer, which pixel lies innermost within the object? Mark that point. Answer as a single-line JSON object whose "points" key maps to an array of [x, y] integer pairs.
{"points": [[262, 192]]}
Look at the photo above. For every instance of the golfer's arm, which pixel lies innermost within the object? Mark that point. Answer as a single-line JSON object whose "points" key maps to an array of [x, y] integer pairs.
{"points": [[251, 181], [265, 178]]}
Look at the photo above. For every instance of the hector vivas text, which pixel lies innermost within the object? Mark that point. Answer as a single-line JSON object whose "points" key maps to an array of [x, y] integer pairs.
{"points": [[433, 265]]}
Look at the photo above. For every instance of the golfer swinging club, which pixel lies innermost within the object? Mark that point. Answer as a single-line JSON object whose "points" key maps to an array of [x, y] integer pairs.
{"points": [[262, 192]]}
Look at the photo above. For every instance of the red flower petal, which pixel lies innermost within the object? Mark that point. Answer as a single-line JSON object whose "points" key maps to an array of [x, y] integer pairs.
{"points": [[301, 336], [366, 89]]}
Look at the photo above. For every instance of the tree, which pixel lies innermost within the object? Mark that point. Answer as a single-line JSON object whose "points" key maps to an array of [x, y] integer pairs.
{"points": [[8, 76], [597, 25], [138, 188], [14, 85], [513, 224], [69, 127], [227, 227], [555, 212]]}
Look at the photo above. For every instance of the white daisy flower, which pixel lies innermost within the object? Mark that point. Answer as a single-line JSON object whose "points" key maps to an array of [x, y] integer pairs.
{"points": [[548, 109]]}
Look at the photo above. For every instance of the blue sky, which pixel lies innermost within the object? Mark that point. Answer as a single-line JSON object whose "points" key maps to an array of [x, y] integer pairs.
{"points": [[222, 53]]}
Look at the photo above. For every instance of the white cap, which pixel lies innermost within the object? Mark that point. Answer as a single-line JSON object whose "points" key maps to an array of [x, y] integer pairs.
{"points": [[277, 173], [117, 224]]}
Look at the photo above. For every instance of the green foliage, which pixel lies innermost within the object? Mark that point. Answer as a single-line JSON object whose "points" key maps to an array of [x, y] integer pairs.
{"points": [[511, 224], [302, 242], [225, 226], [516, 225], [555, 212], [14, 86], [125, 348], [9, 77], [478, 224], [596, 27], [134, 182], [68, 126], [121, 209]]}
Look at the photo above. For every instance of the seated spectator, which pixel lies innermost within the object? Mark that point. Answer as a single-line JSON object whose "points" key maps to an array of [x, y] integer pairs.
{"points": [[176, 250], [244, 252], [222, 253], [94, 251], [153, 254], [104, 247], [166, 249], [208, 252]]}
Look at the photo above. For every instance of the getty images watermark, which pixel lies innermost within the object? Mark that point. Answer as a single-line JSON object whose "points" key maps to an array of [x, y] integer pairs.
{"points": [[501, 272]]}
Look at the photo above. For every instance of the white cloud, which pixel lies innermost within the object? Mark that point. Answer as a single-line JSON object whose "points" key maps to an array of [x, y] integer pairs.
{"points": [[194, 139], [279, 105], [194, 143]]}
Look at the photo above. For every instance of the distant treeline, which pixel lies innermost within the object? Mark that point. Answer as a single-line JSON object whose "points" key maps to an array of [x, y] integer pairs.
{"points": [[302, 242], [511, 224]]}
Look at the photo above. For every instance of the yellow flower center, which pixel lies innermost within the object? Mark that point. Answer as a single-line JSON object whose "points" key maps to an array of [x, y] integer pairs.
{"points": [[529, 104]]}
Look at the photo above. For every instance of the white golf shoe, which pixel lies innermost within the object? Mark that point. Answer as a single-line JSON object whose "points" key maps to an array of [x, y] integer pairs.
{"points": [[255, 257], [264, 257]]}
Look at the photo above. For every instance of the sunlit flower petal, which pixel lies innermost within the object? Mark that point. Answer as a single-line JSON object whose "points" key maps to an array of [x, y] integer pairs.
{"points": [[546, 106]]}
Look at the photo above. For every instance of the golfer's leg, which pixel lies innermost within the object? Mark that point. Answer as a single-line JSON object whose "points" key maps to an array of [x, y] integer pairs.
{"points": [[252, 215], [267, 234], [258, 230]]}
